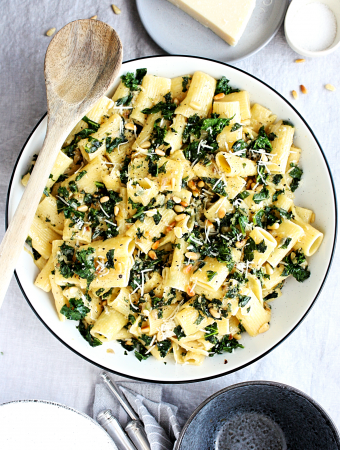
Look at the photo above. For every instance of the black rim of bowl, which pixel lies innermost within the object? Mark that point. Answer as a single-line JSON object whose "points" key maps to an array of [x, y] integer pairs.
{"points": [[211, 377], [284, 387]]}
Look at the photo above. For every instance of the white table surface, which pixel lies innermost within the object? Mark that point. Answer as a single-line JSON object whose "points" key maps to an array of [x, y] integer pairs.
{"points": [[33, 364]]}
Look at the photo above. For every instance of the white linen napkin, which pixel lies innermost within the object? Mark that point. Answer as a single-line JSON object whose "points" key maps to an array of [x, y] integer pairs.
{"points": [[159, 418]]}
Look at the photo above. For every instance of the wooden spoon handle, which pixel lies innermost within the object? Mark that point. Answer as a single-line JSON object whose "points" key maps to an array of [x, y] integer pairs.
{"points": [[18, 230]]}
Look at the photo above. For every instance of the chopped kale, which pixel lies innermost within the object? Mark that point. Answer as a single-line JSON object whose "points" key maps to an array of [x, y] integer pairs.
{"points": [[157, 217], [277, 178], [124, 101], [222, 86], [111, 144], [72, 186], [277, 195], [80, 175], [170, 204], [235, 127], [131, 81], [92, 145], [286, 243], [179, 332], [216, 185], [226, 344], [243, 300], [211, 274], [85, 332], [131, 318], [295, 266], [212, 331], [91, 123], [262, 195], [167, 108], [110, 264], [164, 347], [124, 170], [185, 81], [287, 122], [146, 339], [76, 311], [296, 174]]}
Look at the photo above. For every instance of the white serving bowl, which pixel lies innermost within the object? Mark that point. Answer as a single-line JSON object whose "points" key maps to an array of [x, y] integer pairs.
{"points": [[294, 7], [316, 192]]}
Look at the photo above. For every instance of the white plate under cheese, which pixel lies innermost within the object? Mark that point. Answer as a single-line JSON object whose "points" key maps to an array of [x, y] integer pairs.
{"points": [[227, 18]]}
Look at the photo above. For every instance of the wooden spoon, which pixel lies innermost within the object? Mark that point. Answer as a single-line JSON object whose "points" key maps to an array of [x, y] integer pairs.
{"points": [[82, 61]]}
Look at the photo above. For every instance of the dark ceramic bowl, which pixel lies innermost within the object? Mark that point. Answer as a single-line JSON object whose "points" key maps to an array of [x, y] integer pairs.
{"points": [[259, 415]]}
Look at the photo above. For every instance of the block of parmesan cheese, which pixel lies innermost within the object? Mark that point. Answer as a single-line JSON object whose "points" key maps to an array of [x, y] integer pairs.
{"points": [[227, 18]]}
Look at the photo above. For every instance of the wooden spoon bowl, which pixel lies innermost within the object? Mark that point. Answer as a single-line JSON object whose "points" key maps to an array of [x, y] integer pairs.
{"points": [[82, 61]]}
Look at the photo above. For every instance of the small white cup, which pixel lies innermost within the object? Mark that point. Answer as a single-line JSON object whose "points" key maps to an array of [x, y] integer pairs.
{"points": [[296, 5]]}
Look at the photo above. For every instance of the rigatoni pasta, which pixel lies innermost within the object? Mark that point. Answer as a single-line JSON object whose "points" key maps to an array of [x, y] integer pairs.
{"points": [[168, 222]]}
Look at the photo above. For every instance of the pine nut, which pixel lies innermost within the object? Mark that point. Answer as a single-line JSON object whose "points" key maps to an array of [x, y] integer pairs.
{"points": [[269, 269], [116, 210], [214, 313], [195, 193], [265, 327], [240, 244], [151, 213], [130, 126], [110, 350], [145, 329], [178, 208], [176, 199], [330, 87], [93, 17], [170, 227], [50, 32], [82, 208], [155, 245], [259, 188], [275, 226], [253, 185], [248, 185], [187, 269], [180, 217], [178, 232], [191, 255], [145, 144], [292, 256], [201, 184], [192, 185], [159, 152], [116, 10], [185, 204], [219, 96], [190, 291], [104, 302], [312, 219], [152, 254], [195, 105], [104, 199], [176, 101], [303, 88], [222, 212], [295, 94], [301, 60], [208, 224]]}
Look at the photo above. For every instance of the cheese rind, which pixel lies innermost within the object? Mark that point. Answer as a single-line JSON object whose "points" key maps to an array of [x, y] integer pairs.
{"points": [[227, 18]]}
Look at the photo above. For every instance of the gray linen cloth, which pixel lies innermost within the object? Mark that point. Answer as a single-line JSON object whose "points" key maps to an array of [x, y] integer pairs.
{"points": [[159, 418]]}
